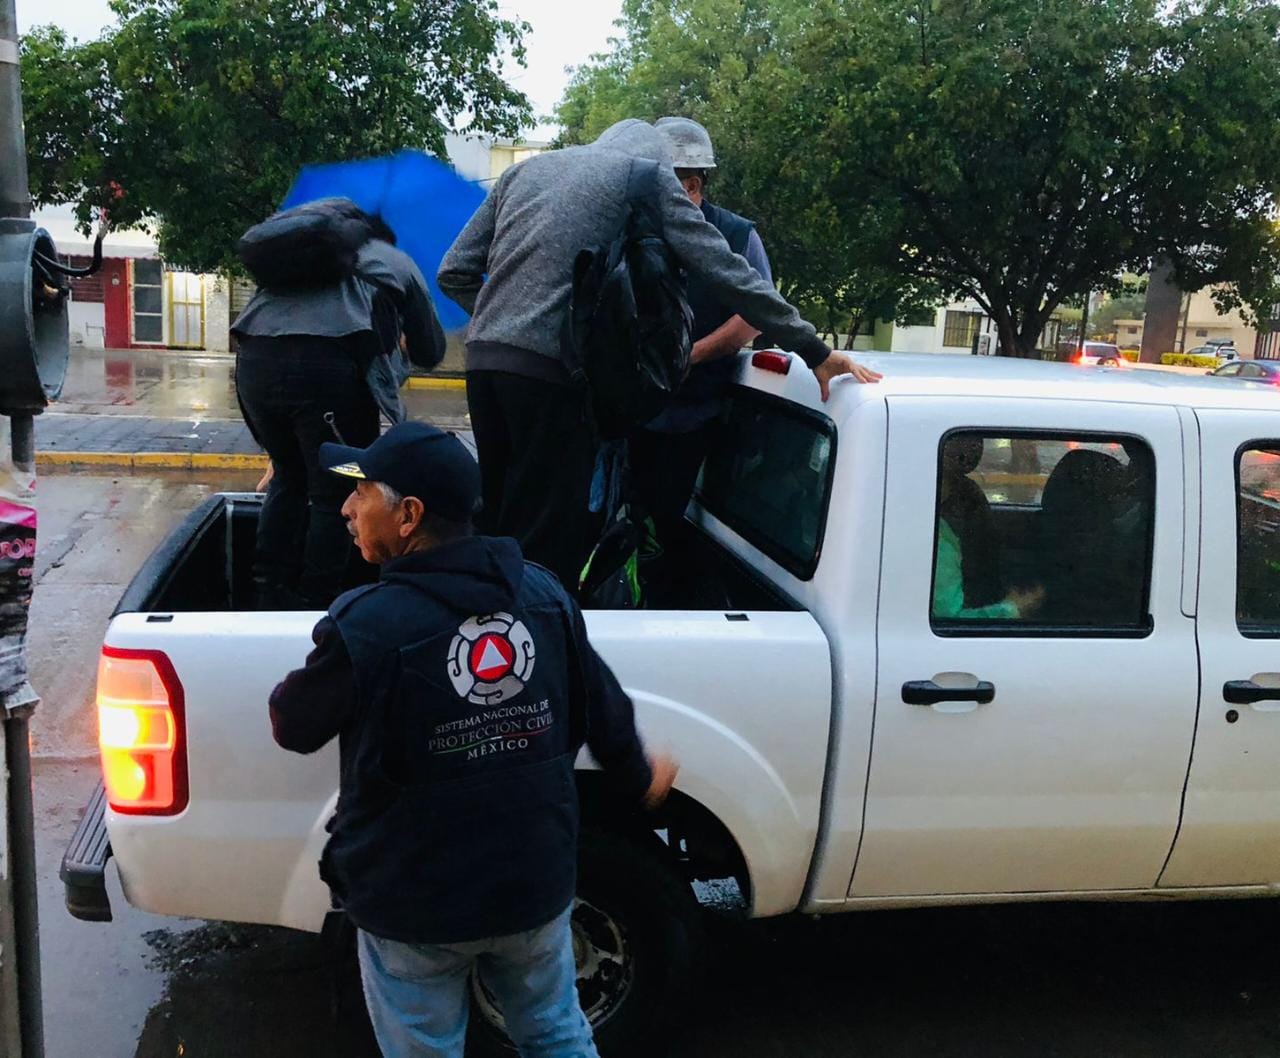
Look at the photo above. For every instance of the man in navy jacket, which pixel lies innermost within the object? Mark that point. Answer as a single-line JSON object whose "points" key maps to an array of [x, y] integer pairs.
{"points": [[460, 687]]}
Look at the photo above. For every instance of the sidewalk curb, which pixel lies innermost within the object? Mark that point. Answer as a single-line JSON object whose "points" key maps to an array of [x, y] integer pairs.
{"points": [[419, 382], [153, 460]]}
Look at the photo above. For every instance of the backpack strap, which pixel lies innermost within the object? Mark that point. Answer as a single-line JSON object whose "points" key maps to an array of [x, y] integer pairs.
{"points": [[643, 204]]}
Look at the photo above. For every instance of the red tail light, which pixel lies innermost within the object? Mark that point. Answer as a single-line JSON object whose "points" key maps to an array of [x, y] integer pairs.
{"points": [[141, 732], [771, 360]]}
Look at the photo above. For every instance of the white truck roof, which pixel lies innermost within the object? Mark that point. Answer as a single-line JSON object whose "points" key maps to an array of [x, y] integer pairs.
{"points": [[909, 374]]}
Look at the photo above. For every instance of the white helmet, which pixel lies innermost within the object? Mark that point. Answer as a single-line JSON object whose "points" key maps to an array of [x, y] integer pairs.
{"points": [[689, 142]]}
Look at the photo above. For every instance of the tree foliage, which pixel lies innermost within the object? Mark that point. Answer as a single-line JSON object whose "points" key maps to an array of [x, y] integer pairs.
{"points": [[1123, 307], [1017, 153], [202, 111]]}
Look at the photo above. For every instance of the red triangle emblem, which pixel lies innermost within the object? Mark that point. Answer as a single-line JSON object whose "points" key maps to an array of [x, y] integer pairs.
{"points": [[491, 658]]}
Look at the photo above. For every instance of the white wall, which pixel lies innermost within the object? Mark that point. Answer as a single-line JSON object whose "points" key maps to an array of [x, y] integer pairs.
{"points": [[217, 315], [928, 338], [60, 223], [469, 155], [88, 323]]}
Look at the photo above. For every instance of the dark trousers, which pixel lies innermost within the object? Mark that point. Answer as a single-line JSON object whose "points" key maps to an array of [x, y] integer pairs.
{"points": [[537, 455], [664, 470], [285, 386]]}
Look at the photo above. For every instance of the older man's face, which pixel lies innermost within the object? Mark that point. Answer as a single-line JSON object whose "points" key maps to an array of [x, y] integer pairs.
{"points": [[377, 527]]}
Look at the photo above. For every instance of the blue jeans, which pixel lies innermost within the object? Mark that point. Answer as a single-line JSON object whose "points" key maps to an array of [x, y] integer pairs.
{"points": [[418, 993]]}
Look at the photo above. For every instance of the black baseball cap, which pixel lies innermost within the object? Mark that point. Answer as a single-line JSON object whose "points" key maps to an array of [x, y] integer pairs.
{"points": [[417, 460]]}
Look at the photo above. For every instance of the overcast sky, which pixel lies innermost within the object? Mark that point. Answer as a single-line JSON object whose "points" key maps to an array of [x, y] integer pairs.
{"points": [[564, 34]]}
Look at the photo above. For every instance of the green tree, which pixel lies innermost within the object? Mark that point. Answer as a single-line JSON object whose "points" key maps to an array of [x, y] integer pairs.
{"points": [[1124, 307], [1017, 153], [703, 59], [195, 115], [1033, 152]]}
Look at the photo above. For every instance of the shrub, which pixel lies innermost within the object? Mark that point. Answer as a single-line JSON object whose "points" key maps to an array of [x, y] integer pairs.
{"points": [[1186, 360], [1130, 354]]}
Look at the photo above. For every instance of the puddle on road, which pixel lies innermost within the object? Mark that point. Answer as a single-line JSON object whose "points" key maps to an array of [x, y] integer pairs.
{"points": [[238, 991]]}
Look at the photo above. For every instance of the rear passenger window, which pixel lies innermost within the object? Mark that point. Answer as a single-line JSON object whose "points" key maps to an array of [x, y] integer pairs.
{"points": [[1258, 540], [768, 477], [1044, 532]]}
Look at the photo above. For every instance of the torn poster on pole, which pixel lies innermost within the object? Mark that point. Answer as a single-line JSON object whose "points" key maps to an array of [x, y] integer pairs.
{"points": [[17, 561]]}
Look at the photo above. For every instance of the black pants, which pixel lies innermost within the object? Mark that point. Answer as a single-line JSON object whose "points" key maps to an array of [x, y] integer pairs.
{"points": [[537, 455], [285, 386], [664, 469]]}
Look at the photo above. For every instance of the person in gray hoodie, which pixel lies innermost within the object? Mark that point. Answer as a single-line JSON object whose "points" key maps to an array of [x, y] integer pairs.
{"points": [[512, 269], [306, 353]]}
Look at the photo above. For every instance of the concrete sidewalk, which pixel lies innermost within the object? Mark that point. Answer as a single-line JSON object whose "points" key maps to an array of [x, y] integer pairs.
{"points": [[158, 409], [125, 442], [137, 442]]}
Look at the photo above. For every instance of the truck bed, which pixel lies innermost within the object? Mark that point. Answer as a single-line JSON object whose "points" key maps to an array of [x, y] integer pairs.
{"points": [[205, 565]]}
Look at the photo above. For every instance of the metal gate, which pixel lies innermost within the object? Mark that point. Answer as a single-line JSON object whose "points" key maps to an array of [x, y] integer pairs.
{"points": [[186, 310], [1266, 346]]}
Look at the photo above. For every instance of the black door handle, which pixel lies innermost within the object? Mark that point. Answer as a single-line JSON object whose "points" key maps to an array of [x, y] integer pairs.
{"points": [[1246, 692], [926, 692]]}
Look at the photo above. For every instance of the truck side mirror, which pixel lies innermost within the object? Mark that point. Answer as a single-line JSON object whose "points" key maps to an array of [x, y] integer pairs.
{"points": [[34, 336]]}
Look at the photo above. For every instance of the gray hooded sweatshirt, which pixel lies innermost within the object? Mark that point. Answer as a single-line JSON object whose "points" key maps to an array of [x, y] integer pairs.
{"points": [[542, 212]]}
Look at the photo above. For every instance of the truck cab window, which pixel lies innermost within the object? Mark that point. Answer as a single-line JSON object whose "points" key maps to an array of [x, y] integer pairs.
{"points": [[1258, 540], [768, 477], [1042, 531]]}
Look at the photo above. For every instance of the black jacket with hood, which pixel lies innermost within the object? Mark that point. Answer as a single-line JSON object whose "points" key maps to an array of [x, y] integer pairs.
{"points": [[461, 687]]}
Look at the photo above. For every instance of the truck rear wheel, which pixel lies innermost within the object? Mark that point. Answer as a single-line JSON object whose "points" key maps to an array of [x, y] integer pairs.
{"points": [[637, 936]]}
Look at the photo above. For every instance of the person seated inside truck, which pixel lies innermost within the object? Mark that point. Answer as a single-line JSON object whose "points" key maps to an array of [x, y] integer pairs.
{"points": [[1096, 521], [968, 513], [966, 579]]}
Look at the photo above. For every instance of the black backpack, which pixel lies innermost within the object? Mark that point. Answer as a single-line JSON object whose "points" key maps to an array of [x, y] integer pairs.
{"points": [[629, 329], [308, 246]]}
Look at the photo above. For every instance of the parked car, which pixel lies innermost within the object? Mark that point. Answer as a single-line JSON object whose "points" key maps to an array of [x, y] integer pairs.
{"points": [[1222, 348], [851, 735], [1102, 354], [1250, 371]]}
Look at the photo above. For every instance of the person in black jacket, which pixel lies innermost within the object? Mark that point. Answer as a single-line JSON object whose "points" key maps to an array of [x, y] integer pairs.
{"points": [[666, 454], [310, 352], [460, 687]]}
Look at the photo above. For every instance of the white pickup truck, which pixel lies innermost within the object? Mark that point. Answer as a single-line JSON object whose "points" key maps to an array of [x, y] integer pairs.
{"points": [[989, 631]]}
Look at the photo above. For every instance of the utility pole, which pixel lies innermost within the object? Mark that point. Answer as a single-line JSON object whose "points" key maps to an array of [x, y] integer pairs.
{"points": [[33, 362]]}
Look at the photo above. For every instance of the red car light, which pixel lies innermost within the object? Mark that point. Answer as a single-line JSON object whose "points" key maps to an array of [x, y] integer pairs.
{"points": [[771, 360], [141, 732]]}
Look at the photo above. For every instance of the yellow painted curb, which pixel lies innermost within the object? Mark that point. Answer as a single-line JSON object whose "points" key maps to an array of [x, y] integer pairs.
{"points": [[106, 459], [456, 384], [229, 461], [154, 460], [162, 460]]}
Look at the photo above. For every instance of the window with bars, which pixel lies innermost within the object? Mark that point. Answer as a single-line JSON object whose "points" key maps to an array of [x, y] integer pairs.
{"points": [[960, 328]]}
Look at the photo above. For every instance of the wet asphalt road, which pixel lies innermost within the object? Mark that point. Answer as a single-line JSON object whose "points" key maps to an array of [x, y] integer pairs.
{"points": [[191, 386], [1175, 981]]}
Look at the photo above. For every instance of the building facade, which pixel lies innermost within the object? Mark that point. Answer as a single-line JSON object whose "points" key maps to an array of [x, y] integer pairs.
{"points": [[139, 301], [1199, 322], [136, 300]]}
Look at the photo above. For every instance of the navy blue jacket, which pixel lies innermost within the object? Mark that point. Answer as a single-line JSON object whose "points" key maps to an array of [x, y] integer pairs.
{"points": [[461, 687], [698, 400]]}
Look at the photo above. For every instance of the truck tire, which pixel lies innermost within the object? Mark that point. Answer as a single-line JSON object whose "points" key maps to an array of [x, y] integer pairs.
{"points": [[637, 937]]}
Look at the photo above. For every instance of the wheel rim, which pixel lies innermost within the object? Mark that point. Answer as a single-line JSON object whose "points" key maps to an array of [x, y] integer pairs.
{"points": [[605, 964]]}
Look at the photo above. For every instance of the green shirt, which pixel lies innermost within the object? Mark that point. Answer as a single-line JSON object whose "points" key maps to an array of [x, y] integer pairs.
{"points": [[948, 584]]}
